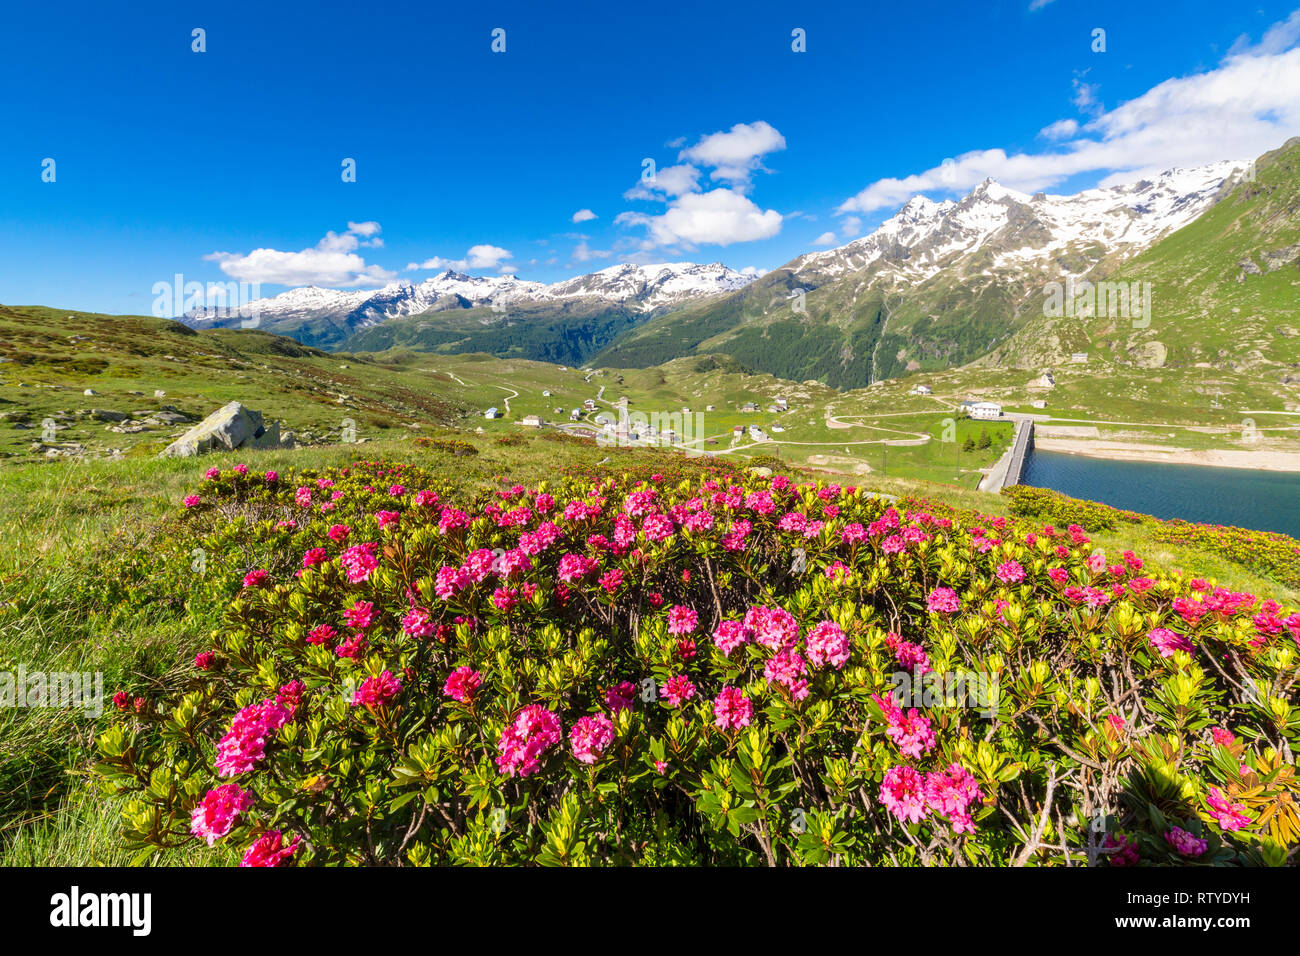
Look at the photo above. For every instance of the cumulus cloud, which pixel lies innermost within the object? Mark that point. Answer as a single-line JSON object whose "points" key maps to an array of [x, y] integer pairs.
{"points": [[478, 257], [720, 216], [735, 154], [332, 262], [669, 181], [584, 215], [825, 239], [1247, 105]]}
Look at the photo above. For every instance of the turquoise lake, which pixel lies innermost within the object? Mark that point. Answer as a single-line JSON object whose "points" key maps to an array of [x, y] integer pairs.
{"points": [[1262, 500]]}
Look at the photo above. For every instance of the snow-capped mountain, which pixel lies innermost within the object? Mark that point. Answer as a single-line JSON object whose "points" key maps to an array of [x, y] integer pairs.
{"points": [[639, 288], [925, 237]]}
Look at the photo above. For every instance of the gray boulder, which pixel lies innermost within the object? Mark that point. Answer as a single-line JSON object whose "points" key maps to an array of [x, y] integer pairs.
{"points": [[226, 429]]}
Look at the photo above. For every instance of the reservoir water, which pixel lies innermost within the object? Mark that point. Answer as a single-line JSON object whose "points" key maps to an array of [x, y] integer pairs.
{"points": [[1261, 500]]}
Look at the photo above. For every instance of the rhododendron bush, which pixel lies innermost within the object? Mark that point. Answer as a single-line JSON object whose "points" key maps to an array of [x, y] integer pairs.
{"points": [[708, 671], [1270, 553]]}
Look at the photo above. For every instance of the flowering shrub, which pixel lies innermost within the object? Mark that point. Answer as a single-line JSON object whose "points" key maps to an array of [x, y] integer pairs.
{"points": [[719, 670], [1043, 503], [1269, 553]]}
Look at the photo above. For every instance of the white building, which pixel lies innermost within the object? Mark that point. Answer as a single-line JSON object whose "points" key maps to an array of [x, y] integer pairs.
{"points": [[575, 414], [533, 421], [921, 390], [492, 413], [986, 411]]}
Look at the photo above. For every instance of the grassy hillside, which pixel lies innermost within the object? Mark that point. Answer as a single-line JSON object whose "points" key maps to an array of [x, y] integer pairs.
{"points": [[569, 334], [1225, 294]]}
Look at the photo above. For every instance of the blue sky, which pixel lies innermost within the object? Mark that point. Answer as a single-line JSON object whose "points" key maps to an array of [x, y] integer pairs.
{"points": [[227, 164]]}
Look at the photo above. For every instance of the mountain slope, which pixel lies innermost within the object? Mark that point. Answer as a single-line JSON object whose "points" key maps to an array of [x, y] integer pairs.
{"points": [[1225, 291], [937, 285]]}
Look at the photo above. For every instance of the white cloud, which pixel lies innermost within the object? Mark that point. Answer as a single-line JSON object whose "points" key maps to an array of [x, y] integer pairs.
{"points": [[720, 217], [1061, 129], [669, 181], [851, 226], [478, 257], [825, 239], [735, 154], [584, 253], [1279, 38], [332, 262], [1246, 106], [1038, 4], [584, 215]]}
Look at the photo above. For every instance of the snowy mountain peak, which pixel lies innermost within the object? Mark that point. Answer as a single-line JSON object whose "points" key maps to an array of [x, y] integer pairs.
{"points": [[924, 236], [641, 288]]}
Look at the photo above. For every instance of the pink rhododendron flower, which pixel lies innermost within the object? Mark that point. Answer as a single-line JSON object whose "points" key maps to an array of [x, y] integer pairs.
{"points": [[1230, 816], [620, 696], [943, 600], [590, 736], [270, 850], [574, 567], [903, 794], [1125, 850], [909, 731], [320, 635], [290, 696], [732, 710], [950, 793], [255, 578], [244, 745], [204, 660], [449, 581], [1010, 572], [657, 527], [784, 669], [1167, 642], [191, 500], [681, 619], [677, 690], [828, 644], [1222, 736], [773, 627], [377, 691], [525, 739], [359, 561], [360, 615], [910, 656], [731, 634], [353, 646], [462, 683], [338, 533], [219, 811], [1185, 843]]}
